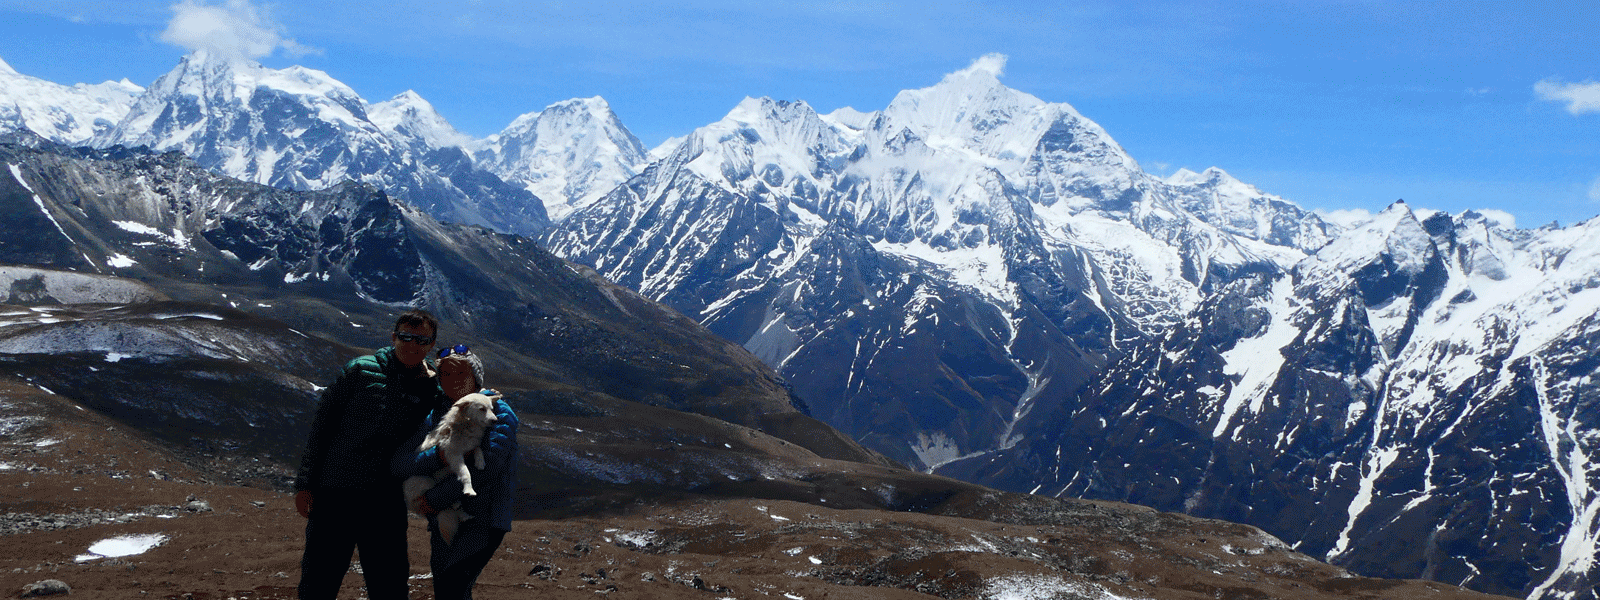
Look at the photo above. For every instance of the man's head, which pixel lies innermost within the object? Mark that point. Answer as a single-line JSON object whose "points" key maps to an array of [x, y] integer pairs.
{"points": [[413, 336]]}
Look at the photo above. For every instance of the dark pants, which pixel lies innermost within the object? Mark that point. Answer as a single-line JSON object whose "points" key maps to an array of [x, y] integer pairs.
{"points": [[456, 568], [342, 522]]}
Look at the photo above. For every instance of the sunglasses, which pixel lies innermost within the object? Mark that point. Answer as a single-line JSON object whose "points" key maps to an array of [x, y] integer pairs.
{"points": [[420, 340], [460, 349]]}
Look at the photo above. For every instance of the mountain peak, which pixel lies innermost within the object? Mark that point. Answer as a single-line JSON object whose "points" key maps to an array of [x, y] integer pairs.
{"points": [[1397, 207], [204, 60], [764, 108], [409, 115], [965, 94], [67, 114], [1211, 175], [410, 97], [592, 104], [569, 154]]}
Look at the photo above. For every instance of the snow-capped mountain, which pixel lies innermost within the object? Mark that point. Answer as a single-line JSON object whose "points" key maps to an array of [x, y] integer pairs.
{"points": [[339, 263], [569, 154], [973, 281], [298, 128], [63, 114], [981, 283], [1415, 399], [967, 224], [413, 120]]}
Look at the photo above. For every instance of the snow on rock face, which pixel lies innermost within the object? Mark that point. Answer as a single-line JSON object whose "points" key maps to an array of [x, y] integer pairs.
{"points": [[409, 116], [70, 115], [300, 129], [764, 144], [569, 154], [1414, 358], [207, 105], [1241, 209], [848, 246]]}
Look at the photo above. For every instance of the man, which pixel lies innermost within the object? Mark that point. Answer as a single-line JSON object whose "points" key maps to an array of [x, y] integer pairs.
{"points": [[344, 488]]}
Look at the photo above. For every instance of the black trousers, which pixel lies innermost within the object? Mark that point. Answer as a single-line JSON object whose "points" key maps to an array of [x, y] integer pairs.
{"points": [[342, 522], [456, 568]]}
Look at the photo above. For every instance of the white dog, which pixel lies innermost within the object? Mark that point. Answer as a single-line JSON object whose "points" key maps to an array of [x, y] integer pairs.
{"points": [[457, 435]]}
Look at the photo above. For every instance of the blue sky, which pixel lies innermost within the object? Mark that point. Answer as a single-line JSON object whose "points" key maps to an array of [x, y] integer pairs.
{"points": [[1336, 105]]}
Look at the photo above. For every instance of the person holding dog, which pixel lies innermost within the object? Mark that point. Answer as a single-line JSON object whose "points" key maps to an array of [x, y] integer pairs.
{"points": [[345, 488], [458, 563]]}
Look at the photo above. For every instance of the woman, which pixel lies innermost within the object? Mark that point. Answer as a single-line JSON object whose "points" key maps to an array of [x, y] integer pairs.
{"points": [[456, 566]]}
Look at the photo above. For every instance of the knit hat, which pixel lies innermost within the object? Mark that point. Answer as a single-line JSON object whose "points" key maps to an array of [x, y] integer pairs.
{"points": [[471, 359]]}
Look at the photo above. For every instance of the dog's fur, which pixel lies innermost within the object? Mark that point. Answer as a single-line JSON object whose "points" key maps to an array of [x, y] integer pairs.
{"points": [[457, 435]]}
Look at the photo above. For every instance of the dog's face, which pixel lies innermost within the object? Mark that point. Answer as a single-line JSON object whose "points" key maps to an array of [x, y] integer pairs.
{"points": [[476, 409]]}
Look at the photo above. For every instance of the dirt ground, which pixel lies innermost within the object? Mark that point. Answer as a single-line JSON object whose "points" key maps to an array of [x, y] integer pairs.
{"points": [[70, 478]]}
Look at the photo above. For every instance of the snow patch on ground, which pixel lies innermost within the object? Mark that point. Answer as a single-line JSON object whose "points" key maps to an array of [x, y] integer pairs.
{"points": [[127, 545], [1043, 587]]}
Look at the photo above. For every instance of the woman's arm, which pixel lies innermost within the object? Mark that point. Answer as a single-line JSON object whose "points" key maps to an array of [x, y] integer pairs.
{"points": [[499, 450], [500, 442]]}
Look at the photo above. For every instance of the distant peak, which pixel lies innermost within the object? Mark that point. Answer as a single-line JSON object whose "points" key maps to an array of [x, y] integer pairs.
{"points": [[6, 68], [1492, 217], [1397, 207], [851, 118], [593, 105], [1186, 177], [751, 109], [409, 97]]}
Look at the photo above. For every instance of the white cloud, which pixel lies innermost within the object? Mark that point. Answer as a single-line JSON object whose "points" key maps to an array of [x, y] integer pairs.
{"points": [[1594, 190], [235, 28], [1580, 97], [993, 63], [1348, 218]]}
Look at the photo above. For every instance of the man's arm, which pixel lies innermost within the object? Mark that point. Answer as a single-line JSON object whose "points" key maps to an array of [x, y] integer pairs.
{"points": [[324, 426]]}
